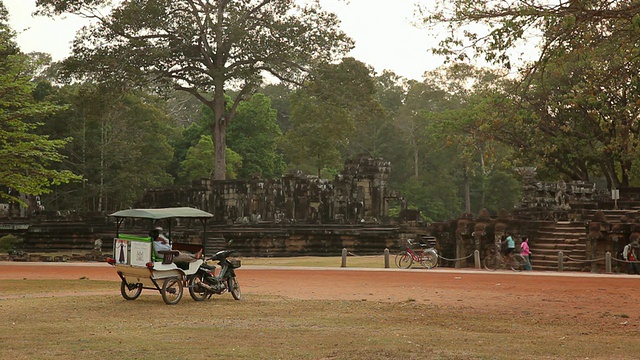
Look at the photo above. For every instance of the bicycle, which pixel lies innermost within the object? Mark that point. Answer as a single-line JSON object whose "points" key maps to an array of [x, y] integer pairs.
{"points": [[496, 260], [427, 256]]}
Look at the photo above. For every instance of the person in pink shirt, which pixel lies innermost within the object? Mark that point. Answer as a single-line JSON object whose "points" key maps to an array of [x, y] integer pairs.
{"points": [[526, 253]]}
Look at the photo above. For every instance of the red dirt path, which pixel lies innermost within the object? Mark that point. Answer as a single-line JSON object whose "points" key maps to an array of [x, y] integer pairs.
{"points": [[541, 293]]}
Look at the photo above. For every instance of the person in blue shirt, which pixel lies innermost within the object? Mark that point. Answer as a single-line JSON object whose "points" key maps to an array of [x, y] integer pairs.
{"points": [[511, 245]]}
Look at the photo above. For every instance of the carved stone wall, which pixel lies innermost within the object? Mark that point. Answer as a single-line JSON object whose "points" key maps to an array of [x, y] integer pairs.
{"points": [[359, 194]]}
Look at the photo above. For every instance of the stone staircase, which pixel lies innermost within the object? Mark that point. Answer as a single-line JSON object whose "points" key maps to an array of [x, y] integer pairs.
{"points": [[570, 237], [214, 244], [551, 238]]}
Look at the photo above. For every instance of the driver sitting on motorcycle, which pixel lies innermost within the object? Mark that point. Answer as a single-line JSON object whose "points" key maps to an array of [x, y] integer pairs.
{"points": [[161, 243]]}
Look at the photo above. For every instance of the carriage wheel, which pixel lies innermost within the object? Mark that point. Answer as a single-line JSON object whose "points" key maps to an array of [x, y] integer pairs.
{"points": [[172, 290]]}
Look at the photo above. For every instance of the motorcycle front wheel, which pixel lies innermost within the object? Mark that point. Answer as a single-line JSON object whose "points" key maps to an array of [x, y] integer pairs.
{"points": [[197, 292], [234, 288]]}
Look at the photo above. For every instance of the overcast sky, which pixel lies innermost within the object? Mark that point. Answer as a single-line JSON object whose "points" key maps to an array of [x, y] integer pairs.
{"points": [[382, 30]]}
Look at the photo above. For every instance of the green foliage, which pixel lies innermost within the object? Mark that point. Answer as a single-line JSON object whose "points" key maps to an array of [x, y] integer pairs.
{"points": [[579, 99], [326, 114], [253, 136], [202, 47], [434, 196], [279, 96], [9, 243], [502, 191], [198, 164], [316, 133], [495, 29], [445, 128], [27, 159], [121, 146]]}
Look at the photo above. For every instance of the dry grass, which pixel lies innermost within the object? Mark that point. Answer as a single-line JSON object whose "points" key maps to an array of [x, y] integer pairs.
{"points": [[96, 323], [373, 261]]}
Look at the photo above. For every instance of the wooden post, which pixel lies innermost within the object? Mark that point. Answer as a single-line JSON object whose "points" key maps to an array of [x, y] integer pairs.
{"points": [[476, 258], [344, 258], [607, 262], [560, 261], [386, 258]]}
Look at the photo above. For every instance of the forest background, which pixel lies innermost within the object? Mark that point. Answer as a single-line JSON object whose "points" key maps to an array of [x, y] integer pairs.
{"points": [[152, 94]]}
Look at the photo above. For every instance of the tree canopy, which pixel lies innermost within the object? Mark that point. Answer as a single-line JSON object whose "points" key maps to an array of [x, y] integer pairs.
{"points": [[27, 159], [325, 113], [575, 111], [494, 29], [202, 47]]}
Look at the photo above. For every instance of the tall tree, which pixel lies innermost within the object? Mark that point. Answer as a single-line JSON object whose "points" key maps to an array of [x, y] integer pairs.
{"points": [[337, 99], [579, 118], [495, 29], [120, 145], [279, 96], [198, 162], [27, 160], [204, 47], [410, 121], [253, 135], [580, 100]]}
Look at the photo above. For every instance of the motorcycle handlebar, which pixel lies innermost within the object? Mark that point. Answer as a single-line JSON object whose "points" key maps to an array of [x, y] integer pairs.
{"points": [[222, 254]]}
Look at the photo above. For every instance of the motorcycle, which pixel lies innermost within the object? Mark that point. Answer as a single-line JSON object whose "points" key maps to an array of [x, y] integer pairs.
{"points": [[205, 282]]}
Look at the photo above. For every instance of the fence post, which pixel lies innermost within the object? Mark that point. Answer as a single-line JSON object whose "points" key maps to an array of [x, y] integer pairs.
{"points": [[386, 258], [344, 257], [476, 258], [607, 262], [560, 261]]}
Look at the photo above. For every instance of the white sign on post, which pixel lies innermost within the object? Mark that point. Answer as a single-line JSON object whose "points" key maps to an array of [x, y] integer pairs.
{"points": [[615, 194]]}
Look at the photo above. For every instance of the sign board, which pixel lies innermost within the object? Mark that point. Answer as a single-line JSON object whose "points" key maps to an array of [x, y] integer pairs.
{"points": [[615, 194], [120, 252], [140, 253]]}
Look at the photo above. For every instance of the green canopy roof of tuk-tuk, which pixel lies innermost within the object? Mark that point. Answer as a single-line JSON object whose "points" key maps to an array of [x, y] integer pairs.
{"points": [[164, 213]]}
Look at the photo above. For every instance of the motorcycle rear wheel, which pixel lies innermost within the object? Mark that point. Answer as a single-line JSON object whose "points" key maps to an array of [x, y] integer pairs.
{"points": [[234, 288], [197, 292]]}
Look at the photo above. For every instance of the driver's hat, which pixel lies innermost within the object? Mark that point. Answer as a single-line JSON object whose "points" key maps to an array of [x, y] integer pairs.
{"points": [[158, 228]]}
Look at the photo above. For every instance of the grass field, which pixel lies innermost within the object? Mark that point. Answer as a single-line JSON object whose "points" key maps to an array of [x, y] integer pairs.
{"points": [[86, 319], [373, 261]]}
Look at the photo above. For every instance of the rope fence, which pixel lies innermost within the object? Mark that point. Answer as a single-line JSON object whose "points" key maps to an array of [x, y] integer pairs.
{"points": [[608, 259]]}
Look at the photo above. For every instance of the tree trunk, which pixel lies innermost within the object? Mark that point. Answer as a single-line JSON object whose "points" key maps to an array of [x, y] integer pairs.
{"points": [[484, 181], [467, 192], [102, 165], [220, 137], [219, 108], [416, 161]]}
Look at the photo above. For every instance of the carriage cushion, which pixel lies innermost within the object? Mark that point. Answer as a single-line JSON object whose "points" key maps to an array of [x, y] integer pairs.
{"points": [[167, 255], [192, 248]]}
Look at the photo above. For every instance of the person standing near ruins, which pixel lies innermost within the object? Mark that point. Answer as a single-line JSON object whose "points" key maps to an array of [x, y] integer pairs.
{"points": [[511, 245], [525, 251], [630, 255]]}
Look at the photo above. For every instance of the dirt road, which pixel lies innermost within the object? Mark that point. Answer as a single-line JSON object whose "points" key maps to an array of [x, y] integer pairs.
{"points": [[542, 293]]}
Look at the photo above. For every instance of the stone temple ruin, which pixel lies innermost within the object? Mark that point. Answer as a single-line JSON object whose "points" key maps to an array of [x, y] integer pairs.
{"points": [[304, 215], [291, 215], [573, 218], [359, 195]]}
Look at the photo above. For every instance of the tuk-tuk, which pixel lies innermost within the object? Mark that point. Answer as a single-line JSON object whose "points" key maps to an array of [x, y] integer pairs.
{"points": [[141, 267]]}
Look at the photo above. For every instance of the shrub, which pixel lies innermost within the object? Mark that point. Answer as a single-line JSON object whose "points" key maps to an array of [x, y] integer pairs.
{"points": [[8, 243]]}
